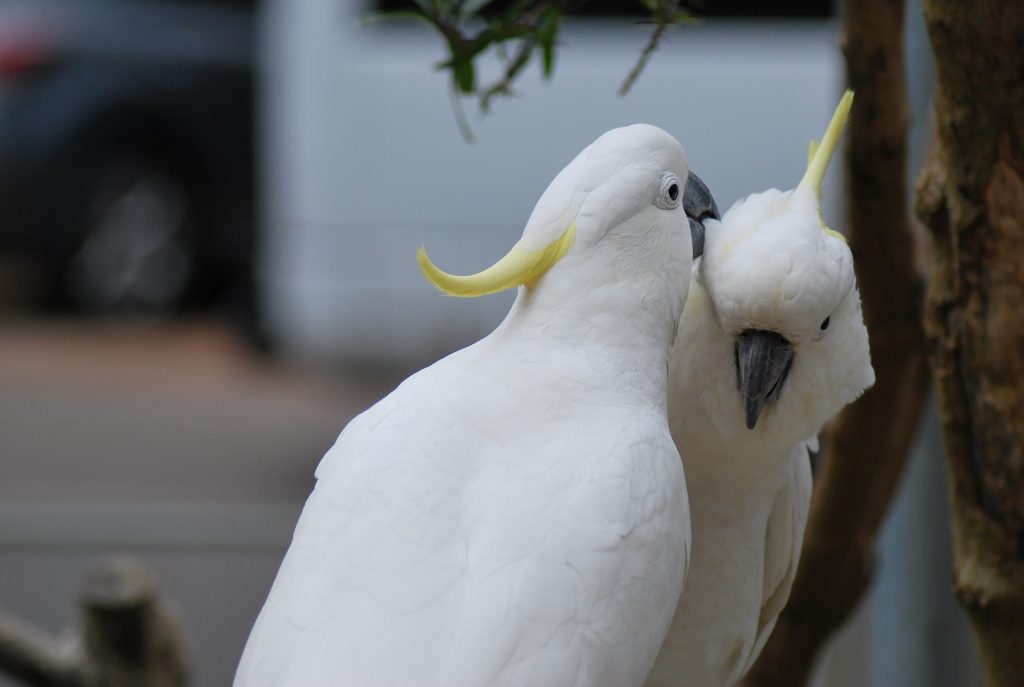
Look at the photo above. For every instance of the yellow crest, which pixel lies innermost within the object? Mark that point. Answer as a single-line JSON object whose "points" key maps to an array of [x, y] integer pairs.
{"points": [[516, 268], [819, 155]]}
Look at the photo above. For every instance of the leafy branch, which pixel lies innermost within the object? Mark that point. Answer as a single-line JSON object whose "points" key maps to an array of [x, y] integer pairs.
{"points": [[666, 14], [518, 32]]}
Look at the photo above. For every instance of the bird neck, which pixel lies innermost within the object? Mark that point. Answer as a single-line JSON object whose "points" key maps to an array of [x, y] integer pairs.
{"points": [[613, 333]]}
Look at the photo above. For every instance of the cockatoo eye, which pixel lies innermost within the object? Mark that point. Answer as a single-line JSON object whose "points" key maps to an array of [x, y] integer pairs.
{"points": [[668, 196], [824, 325]]}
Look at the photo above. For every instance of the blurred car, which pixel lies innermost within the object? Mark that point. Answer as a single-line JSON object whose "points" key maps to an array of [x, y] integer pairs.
{"points": [[126, 148]]}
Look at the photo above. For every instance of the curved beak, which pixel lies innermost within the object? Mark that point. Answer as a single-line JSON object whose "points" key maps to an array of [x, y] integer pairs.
{"points": [[763, 361], [699, 205]]}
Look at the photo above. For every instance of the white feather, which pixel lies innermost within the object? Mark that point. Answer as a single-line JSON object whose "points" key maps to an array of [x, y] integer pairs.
{"points": [[767, 266], [515, 514]]}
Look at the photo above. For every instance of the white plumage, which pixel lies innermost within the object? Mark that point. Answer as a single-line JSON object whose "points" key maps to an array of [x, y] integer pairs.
{"points": [[773, 345], [516, 513]]}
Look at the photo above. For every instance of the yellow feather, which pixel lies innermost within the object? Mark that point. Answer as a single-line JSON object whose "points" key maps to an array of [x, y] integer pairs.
{"points": [[517, 267], [832, 232], [819, 155], [818, 163]]}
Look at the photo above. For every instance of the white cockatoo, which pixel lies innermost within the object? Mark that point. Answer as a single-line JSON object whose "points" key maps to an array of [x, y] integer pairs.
{"points": [[516, 513], [771, 345]]}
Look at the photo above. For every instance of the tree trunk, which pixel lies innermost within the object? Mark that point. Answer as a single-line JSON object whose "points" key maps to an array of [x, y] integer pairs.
{"points": [[866, 447], [971, 196]]}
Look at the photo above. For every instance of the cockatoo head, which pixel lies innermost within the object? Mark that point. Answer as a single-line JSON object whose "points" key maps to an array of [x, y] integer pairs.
{"points": [[625, 207], [782, 286]]}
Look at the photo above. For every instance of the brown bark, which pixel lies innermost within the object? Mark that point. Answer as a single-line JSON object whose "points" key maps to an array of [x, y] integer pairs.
{"points": [[130, 638], [971, 196], [866, 447]]}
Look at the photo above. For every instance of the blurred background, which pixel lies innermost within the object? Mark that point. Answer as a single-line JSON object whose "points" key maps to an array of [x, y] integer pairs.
{"points": [[208, 212]]}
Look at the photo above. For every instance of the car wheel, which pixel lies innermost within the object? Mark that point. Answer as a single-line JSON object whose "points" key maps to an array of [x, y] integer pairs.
{"points": [[134, 248]]}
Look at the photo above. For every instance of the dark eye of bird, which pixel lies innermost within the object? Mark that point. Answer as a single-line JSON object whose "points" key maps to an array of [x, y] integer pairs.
{"points": [[824, 325], [673, 191]]}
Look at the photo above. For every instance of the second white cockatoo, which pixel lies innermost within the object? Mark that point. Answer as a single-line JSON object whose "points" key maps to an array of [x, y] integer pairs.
{"points": [[516, 513], [770, 346]]}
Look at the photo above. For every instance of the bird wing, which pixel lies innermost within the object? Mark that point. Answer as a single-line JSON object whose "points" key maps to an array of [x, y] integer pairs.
{"points": [[783, 540], [417, 562]]}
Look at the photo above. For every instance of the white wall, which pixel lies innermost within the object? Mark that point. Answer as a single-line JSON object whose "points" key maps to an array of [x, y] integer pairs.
{"points": [[365, 161]]}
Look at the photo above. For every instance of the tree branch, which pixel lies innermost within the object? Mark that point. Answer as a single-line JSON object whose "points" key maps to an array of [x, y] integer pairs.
{"points": [[862, 467], [666, 14], [130, 637], [29, 656], [534, 24], [645, 55], [503, 87]]}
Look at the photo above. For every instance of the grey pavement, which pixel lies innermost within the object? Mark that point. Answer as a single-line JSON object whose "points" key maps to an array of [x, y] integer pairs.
{"points": [[172, 443]]}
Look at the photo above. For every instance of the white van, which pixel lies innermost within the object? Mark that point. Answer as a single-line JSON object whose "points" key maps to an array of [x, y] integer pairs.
{"points": [[364, 160]]}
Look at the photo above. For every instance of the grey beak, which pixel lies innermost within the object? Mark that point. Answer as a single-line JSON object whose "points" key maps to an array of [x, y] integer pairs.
{"points": [[763, 361], [699, 205]]}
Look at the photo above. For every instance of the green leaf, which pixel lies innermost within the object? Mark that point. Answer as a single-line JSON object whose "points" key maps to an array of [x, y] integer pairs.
{"points": [[465, 75], [397, 15], [470, 8], [547, 35], [516, 10]]}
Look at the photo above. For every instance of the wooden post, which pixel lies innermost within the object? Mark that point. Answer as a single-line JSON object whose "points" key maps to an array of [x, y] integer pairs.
{"points": [[130, 637]]}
